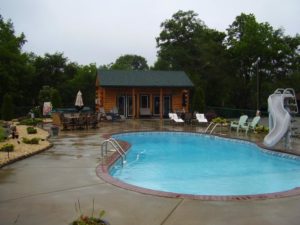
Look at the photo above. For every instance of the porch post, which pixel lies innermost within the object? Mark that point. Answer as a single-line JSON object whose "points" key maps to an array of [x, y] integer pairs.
{"points": [[104, 99], [188, 101], [137, 105], [133, 103], [161, 103]]}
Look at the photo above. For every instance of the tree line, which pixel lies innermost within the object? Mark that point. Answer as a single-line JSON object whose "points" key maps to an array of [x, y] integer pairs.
{"points": [[238, 68]]}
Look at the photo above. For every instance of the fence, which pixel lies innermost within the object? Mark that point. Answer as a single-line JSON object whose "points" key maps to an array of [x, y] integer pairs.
{"points": [[233, 113]]}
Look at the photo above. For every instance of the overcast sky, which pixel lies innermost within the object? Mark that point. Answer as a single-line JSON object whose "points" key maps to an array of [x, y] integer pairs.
{"points": [[99, 31]]}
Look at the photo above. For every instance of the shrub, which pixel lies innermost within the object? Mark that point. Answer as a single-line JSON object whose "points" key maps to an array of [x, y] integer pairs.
{"points": [[30, 122], [210, 115], [31, 130], [89, 220], [261, 129], [36, 111], [219, 120], [32, 141], [7, 148], [2, 134]]}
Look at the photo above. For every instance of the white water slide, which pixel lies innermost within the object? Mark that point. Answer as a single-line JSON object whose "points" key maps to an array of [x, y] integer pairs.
{"points": [[279, 115]]}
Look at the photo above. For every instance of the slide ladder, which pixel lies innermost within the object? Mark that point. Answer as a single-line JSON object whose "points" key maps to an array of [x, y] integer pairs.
{"points": [[283, 107]]}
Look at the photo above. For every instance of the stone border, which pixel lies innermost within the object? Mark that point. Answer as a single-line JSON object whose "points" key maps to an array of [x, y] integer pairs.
{"points": [[25, 156], [28, 154], [102, 172]]}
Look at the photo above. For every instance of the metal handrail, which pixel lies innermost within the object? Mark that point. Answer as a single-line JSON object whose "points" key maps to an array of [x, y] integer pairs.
{"points": [[217, 124], [104, 143], [117, 143], [211, 123]]}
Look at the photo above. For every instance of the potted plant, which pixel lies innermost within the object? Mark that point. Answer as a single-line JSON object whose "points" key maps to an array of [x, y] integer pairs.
{"points": [[89, 220]]}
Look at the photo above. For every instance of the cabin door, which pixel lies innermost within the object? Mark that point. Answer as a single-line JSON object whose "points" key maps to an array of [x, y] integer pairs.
{"points": [[167, 105], [156, 105], [125, 105]]}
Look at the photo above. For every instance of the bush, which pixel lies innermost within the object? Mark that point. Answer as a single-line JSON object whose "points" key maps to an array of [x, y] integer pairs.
{"points": [[30, 122], [219, 120], [32, 141], [210, 115], [7, 148], [36, 111], [2, 134], [31, 130], [261, 129], [89, 220]]}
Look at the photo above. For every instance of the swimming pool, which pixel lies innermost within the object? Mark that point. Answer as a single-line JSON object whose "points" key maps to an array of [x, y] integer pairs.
{"points": [[197, 164]]}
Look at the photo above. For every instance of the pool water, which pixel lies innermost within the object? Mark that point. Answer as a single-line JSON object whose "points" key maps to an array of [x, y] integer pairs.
{"points": [[189, 163]]}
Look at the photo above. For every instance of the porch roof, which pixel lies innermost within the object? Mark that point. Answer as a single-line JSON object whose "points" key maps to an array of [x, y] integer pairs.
{"points": [[119, 78]]}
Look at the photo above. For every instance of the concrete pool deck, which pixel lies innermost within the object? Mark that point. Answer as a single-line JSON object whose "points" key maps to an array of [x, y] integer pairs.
{"points": [[43, 189]]}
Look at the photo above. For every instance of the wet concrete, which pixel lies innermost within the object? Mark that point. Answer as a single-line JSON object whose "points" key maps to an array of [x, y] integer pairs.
{"points": [[43, 189]]}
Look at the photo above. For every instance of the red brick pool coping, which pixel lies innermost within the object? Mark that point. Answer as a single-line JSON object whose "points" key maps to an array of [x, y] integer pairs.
{"points": [[103, 172]]}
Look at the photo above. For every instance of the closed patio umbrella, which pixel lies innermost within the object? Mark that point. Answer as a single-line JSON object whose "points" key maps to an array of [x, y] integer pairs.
{"points": [[79, 102]]}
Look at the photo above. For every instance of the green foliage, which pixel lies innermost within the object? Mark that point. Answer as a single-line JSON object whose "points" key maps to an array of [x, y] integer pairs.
{"points": [[83, 80], [219, 120], [30, 122], [198, 103], [45, 94], [50, 94], [88, 220], [7, 107], [2, 134], [130, 62], [31, 130], [15, 69], [260, 55], [186, 43], [32, 141], [55, 99], [36, 111], [261, 129], [7, 148]]}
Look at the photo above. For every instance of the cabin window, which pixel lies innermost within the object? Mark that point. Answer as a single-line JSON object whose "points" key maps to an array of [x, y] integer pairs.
{"points": [[144, 101]]}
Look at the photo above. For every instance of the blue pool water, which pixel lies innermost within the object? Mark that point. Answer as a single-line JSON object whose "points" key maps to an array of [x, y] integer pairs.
{"points": [[190, 163]]}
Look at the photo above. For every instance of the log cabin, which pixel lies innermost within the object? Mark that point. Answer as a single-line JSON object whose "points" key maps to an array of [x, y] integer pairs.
{"points": [[143, 93]]}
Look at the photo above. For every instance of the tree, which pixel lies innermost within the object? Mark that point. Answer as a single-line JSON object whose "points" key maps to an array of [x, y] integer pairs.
{"points": [[55, 99], [198, 103], [130, 62], [50, 69], [83, 80], [7, 107], [260, 55], [14, 66], [186, 43]]}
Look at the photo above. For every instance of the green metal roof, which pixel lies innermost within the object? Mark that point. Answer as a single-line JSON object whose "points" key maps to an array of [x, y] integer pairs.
{"points": [[120, 78]]}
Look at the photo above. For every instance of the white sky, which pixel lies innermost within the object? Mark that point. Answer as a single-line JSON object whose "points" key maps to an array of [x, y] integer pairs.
{"points": [[99, 31]]}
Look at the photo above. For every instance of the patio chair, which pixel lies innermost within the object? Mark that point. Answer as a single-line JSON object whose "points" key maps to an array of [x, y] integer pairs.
{"points": [[67, 122], [81, 123], [250, 126], [101, 114], [238, 124], [174, 117], [92, 121], [201, 118]]}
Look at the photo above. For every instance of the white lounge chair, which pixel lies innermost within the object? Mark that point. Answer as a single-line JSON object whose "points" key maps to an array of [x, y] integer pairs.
{"points": [[201, 118], [174, 117]]}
